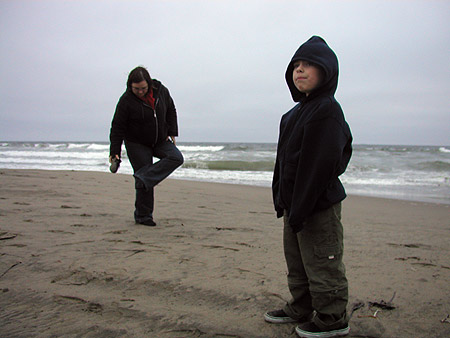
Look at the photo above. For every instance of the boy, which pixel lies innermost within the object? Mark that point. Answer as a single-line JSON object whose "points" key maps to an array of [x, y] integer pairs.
{"points": [[314, 148]]}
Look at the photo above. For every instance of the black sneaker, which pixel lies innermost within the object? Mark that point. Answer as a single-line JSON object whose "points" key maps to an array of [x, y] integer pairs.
{"points": [[148, 222], [310, 330], [115, 164], [278, 317]]}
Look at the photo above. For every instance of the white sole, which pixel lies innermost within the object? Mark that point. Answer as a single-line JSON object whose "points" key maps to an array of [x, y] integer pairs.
{"points": [[330, 334], [278, 320]]}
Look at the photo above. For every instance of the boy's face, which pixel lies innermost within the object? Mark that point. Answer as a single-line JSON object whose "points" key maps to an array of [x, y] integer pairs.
{"points": [[306, 76]]}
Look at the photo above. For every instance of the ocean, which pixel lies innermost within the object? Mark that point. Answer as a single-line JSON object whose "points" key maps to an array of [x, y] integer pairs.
{"points": [[416, 173]]}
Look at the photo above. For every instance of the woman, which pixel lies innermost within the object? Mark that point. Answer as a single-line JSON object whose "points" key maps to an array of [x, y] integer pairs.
{"points": [[146, 120]]}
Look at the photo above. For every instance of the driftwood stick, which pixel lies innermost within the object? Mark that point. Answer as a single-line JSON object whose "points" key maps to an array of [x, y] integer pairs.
{"points": [[15, 264]]}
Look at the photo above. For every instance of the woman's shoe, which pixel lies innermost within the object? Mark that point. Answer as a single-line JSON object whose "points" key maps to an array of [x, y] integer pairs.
{"points": [[148, 222], [115, 164]]}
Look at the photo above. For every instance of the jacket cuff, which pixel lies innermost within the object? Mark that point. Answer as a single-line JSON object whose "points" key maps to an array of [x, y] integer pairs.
{"points": [[113, 152], [297, 227], [280, 213]]}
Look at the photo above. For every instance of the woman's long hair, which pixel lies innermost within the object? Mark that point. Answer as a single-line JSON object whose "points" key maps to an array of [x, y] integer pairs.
{"points": [[137, 75]]}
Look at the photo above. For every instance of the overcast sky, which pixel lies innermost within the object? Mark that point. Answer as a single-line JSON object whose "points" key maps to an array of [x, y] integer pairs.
{"points": [[64, 65]]}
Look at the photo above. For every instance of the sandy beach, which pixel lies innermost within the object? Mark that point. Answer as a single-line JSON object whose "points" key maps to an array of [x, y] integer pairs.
{"points": [[74, 264]]}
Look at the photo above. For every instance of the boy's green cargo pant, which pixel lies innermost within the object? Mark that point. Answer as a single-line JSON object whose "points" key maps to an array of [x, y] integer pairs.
{"points": [[316, 273]]}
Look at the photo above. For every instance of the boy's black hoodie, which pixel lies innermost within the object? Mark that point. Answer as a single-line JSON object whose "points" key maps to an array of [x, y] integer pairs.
{"points": [[314, 145]]}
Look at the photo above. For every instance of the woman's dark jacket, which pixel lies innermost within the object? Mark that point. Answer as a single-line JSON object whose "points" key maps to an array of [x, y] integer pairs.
{"points": [[314, 145], [136, 121]]}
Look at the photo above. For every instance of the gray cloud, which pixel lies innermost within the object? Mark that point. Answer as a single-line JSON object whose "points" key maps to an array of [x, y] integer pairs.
{"points": [[65, 63]]}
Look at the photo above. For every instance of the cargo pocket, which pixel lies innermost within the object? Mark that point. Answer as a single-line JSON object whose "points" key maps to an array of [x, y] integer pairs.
{"points": [[329, 269], [328, 252]]}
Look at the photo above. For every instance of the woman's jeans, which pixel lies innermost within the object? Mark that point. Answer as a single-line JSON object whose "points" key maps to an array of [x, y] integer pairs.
{"points": [[148, 174]]}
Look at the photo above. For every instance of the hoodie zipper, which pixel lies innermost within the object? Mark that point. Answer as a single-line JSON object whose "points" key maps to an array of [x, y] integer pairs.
{"points": [[156, 120], [154, 115]]}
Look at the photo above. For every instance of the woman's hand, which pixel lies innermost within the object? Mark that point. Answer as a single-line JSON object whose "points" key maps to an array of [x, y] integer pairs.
{"points": [[111, 158], [172, 138]]}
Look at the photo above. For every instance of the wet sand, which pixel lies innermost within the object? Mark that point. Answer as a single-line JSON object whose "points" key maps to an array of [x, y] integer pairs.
{"points": [[74, 264]]}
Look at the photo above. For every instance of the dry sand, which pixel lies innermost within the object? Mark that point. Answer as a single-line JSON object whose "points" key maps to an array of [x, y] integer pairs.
{"points": [[74, 264]]}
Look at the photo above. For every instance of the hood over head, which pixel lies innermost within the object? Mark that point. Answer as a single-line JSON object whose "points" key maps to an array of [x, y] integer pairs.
{"points": [[316, 51]]}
